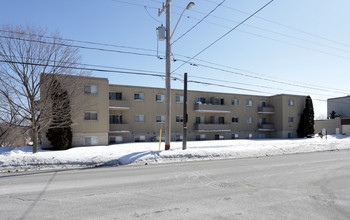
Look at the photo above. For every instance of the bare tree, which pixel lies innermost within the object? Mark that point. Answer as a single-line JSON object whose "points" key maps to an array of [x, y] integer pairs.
{"points": [[30, 60]]}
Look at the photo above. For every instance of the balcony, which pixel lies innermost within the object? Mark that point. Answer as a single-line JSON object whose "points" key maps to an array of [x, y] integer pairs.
{"points": [[266, 127], [266, 110], [212, 127], [119, 128], [212, 108], [119, 105]]}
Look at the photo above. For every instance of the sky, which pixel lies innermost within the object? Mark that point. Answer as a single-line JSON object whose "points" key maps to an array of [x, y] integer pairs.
{"points": [[289, 47]]}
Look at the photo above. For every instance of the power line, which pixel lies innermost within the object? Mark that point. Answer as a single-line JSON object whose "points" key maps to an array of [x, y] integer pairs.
{"points": [[275, 81], [265, 79], [199, 22], [80, 41], [226, 33], [253, 85], [285, 26], [83, 68], [79, 47]]}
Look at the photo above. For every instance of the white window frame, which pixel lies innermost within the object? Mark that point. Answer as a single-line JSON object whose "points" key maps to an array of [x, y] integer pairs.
{"points": [[202, 137], [160, 98], [179, 99], [179, 118], [236, 121], [139, 119], [93, 140], [249, 102], [249, 120], [90, 118], [290, 119], [250, 136], [160, 118], [141, 96], [117, 139], [235, 102], [291, 102], [91, 89], [140, 138], [234, 136]]}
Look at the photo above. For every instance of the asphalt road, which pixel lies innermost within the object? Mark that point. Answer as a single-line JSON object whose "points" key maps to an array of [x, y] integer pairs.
{"points": [[304, 186]]}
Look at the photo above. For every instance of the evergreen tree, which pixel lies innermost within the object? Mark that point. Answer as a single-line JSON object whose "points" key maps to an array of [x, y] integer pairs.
{"points": [[333, 115], [60, 133], [306, 124]]}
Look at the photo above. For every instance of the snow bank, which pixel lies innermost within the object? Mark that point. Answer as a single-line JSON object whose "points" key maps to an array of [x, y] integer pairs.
{"points": [[22, 158]]}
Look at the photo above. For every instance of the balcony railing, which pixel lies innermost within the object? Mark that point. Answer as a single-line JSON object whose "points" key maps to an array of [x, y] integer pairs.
{"points": [[120, 128], [212, 127], [212, 108], [119, 104], [266, 110], [266, 127]]}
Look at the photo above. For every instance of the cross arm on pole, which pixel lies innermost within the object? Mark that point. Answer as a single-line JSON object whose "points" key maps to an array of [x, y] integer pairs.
{"points": [[164, 7]]}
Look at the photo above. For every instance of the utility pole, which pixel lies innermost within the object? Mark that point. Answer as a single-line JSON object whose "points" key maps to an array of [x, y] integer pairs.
{"points": [[167, 80], [185, 117], [167, 76], [168, 69]]}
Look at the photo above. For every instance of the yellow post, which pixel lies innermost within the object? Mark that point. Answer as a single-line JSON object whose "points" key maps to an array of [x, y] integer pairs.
{"points": [[160, 138]]}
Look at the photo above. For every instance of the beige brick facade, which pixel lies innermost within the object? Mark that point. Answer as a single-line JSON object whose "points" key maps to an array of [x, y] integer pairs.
{"points": [[131, 113]]}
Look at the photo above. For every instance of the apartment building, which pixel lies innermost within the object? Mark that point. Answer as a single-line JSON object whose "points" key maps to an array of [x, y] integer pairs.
{"points": [[119, 113], [341, 105]]}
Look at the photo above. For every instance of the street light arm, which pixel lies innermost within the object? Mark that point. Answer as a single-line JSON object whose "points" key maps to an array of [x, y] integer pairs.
{"points": [[189, 6], [177, 23]]}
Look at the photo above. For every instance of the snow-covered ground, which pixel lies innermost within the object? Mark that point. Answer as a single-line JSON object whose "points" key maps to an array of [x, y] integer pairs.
{"points": [[22, 158]]}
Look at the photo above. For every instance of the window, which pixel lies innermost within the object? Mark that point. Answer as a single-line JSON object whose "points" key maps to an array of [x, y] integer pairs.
{"points": [[262, 104], [217, 120], [90, 116], [262, 135], [249, 102], [250, 136], [234, 120], [115, 139], [115, 96], [290, 135], [235, 102], [290, 102], [178, 137], [91, 89], [200, 100], [290, 119], [217, 101], [179, 99], [219, 137], [200, 137], [234, 136], [249, 120], [160, 118], [115, 119], [91, 141], [140, 138], [200, 120], [139, 97], [179, 118], [139, 118], [160, 98]]}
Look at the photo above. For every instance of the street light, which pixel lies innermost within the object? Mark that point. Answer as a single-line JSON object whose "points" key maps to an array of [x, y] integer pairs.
{"points": [[167, 69], [189, 6]]}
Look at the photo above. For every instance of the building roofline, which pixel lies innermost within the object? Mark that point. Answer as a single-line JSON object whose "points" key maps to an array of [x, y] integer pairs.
{"points": [[348, 96], [80, 76], [224, 93]]}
